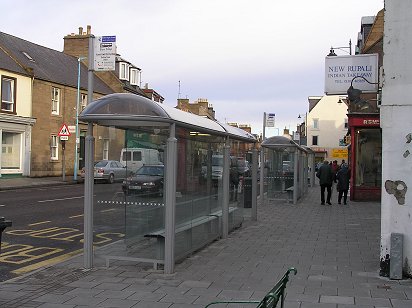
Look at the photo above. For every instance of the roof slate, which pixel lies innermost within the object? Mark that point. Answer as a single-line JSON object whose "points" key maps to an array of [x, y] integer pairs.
{"points": [[46, 64]]}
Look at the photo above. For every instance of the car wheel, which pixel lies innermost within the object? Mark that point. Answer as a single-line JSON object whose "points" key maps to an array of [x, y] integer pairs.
{"points": [[110, 180]]}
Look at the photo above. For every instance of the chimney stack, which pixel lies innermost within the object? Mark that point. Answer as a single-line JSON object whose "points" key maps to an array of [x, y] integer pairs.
{"points": [[89, 29], [80, 30]]}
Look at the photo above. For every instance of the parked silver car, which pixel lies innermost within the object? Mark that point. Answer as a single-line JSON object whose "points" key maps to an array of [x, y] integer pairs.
{"points": [[109, 171]]}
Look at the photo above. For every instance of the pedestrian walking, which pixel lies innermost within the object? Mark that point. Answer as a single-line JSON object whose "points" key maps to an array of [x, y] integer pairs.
{"points": [[325, 176], [234, 178], [343, 177]]}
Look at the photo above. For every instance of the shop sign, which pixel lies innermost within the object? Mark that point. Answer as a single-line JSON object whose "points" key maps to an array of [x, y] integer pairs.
{"points": [[341, 70], [373, 122], [339, 153]]}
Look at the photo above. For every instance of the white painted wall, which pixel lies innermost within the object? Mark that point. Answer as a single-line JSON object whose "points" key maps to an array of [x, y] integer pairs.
{"points": [[331, 116], [396, 123], [23, 93]]}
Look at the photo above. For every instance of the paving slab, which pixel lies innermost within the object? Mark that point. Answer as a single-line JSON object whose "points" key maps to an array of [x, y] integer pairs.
{"points": [[334, 248]]}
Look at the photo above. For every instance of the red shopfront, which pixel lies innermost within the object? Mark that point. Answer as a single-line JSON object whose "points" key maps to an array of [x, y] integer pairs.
{"points": [[365, 156]]}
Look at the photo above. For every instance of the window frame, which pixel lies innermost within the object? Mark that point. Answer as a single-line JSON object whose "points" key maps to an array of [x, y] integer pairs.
{"points": [[83, 101], [14, 90], [124, 71], [105, 149], [134, 76], [315, 123], [315, 138], [55, 102], [54, 147]]}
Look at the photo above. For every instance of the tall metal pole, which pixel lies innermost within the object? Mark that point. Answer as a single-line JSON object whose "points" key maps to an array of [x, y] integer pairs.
{"points": [[262, 163], [89, 170], [225, 188], [77, 124], [254, 182]]}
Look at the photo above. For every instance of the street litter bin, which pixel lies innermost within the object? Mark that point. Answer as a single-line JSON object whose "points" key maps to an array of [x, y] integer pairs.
{"points": [[3, 225], [247, 199]]}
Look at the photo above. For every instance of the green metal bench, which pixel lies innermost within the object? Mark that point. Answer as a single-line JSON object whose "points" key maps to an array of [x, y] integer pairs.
{"points": [[271, 299]]}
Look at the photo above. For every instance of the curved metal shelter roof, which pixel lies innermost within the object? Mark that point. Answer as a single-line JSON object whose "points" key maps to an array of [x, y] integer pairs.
{"points": [[281, 143], [124, 110]]}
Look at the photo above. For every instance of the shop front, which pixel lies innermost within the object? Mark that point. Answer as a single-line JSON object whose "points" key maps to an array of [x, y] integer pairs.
{"points": [[365, 156]]}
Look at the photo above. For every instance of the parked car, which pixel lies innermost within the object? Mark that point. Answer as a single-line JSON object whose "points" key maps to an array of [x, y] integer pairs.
{"points": [[148, 180], [108, 170]]}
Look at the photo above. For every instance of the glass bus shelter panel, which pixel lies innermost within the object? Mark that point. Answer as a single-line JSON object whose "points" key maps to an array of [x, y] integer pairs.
{"points": [[109, 203], [198, 191], [280, 172], [143, 190], [136, 198]]}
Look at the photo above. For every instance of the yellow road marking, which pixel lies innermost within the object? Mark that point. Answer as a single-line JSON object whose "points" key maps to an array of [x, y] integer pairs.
{"points": [[48, 262], [109, 210], [40, 223], [60, 199], [75, 216]]}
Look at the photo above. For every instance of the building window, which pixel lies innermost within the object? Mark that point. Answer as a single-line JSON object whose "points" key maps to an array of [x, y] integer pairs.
{"points": [[368, 157], [106, 149], [8, 94], [83, 101], [315, 123], [55, 100], [54, 148], [124, 71], [134, 76], [346, 123], [11, 150], [314, 140]]}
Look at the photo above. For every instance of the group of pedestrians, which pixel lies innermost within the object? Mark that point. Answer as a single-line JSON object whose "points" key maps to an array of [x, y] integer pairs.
{"points": [[329, 173]]}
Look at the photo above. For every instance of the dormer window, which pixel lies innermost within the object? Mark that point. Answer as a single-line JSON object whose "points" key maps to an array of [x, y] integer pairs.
{"points": [[124, 71], [134, 76]]}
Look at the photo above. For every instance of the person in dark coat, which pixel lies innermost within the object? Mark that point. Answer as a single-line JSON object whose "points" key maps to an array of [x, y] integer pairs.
{"points": [[326, 177], [343, 177], [234, 178]]}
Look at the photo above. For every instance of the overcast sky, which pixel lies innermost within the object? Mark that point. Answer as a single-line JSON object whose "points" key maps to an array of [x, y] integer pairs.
{"points": [[245, 57]]}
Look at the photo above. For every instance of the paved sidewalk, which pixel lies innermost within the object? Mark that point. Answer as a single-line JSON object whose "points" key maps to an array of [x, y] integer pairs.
{"points": [[334, 248], [25, 182]]}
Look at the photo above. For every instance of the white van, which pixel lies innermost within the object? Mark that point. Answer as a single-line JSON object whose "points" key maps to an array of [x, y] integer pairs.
{"points": [[134, 158]]}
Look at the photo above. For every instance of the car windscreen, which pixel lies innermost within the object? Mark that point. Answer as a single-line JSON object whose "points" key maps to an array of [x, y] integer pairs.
{"points": [[102, 163], [150, 170]]}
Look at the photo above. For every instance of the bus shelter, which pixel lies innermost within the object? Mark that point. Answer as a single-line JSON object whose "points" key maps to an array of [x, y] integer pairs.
{"points": [[285, 169], [181, 186], [311, 165]]}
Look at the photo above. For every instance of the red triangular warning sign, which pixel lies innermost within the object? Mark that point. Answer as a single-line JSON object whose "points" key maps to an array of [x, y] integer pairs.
{"points": [[64, 131]]}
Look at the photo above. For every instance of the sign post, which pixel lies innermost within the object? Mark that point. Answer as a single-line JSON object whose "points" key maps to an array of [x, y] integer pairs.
{"points": [[64, 134]]}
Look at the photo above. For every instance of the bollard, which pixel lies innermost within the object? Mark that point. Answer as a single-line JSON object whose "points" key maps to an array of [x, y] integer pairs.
{"points": [[3, 225]]}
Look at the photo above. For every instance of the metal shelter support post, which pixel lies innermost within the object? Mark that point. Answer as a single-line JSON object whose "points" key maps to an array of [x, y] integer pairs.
{"points": [[262, 162], [89, 171], [170, 200], [306, 174], [295, 177], [254, 183], [225, 179]]}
